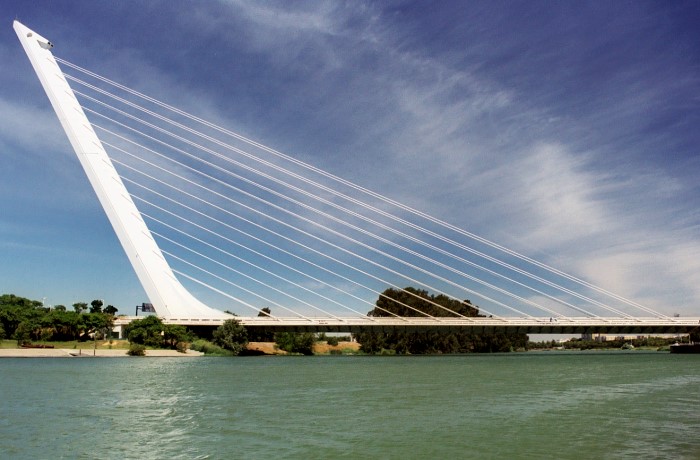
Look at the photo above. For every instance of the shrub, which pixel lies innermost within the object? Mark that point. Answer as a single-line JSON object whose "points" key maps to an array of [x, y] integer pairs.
{"points": [[146, 331], [181, 347], [209, 348], [296, 342], [136, 349], [231, 336]]}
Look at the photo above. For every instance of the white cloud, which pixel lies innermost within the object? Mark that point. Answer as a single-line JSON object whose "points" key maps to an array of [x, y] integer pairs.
{"points": [[442, 136], [27, 128]]}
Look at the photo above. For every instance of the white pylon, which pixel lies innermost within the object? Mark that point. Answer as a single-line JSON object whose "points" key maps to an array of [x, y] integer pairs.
{"points": [[168, 296]]}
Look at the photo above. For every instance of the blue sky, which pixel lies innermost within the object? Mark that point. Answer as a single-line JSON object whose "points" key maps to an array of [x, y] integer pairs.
{"points": [[564, 130]]}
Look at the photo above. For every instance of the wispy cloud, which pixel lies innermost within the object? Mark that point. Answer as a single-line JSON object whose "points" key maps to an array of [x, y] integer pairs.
{"points": [[572, 144]]}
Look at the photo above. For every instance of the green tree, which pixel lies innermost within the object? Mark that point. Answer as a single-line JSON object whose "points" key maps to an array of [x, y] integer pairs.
{"points": [[416, 302], [28, 320], [98, 323], [17, 301], [296, 342], [694, 336], [66, 325], [232, 336], [147, 331], [80, 307], [176, 336], [96, 306], [27, 331], [136, 349], [15, 310], [111, 310], [259, 334]]}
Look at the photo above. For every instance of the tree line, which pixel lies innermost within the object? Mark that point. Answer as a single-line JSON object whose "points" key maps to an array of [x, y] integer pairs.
{"points": [[412, 302], [26, 320]]}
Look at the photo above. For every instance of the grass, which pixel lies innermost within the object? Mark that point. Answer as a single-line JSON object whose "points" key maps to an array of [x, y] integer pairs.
{"points": [[209, 348]]}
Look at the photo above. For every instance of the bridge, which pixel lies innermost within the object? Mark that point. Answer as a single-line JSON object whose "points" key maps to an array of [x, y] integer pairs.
{"points": [[287, 246], [613, 326]]}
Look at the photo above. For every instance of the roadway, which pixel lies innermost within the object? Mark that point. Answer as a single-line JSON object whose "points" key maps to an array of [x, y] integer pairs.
{"points": [[480, 325]]}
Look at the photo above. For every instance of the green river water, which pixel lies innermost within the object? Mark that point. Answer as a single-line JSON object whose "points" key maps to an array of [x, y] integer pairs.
{"points": [[632, 405]]}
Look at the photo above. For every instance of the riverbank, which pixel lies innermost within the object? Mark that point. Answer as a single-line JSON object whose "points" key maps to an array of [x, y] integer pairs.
{"points": [[320, 348], [120, 348], [84, 353]]}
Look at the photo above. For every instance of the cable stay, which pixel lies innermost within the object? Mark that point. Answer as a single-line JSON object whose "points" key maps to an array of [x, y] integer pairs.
{"points": [[320, 220]]}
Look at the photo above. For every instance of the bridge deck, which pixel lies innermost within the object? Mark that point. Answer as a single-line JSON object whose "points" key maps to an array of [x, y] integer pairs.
{"points": [[479, 325]]}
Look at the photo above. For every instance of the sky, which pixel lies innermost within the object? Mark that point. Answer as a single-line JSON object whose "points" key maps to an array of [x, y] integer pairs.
{"points": [[566, 131]]}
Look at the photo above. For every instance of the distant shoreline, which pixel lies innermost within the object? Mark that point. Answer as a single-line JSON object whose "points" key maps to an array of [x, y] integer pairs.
{"points": [[263, 348], [85, 353]]}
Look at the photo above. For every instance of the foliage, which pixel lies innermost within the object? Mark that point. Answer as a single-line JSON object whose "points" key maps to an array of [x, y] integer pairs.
{"points": [[26, 320], [96, 306], [136, 349], [695, 335], [209, 348], [181, 347], [231, 336], [649, 342], [258, 335], [111, 310], [296, 342], [16, 301], [411, 302], [176, 336], [147, 331], [332, 340]]}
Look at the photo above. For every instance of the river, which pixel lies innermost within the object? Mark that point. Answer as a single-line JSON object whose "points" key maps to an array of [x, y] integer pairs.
{"points": [[559, 405]]}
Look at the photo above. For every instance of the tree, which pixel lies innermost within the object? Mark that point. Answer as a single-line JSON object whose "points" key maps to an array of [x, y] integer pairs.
{"points": [[80, 307], [259, 334], [17, 301], [146, 331], [39, 323], [98, 322], [231, 336], [694, 336], [27, 331], [295, 342], [110, 310], [176, 336], [136, 349], [416, 302], [96, 306]]}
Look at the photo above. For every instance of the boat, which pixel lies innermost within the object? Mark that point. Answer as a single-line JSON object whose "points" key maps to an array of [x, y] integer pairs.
{"points": [[685, 347]]}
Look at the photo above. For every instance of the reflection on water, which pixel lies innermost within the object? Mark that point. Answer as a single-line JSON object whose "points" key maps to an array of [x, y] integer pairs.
{"points": [[631, 405]]}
